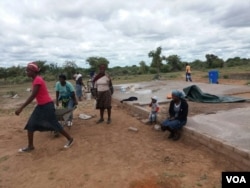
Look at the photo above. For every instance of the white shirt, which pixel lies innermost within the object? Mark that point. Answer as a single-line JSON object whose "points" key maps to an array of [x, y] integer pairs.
{"points": [[154, 106], [78, 76], [102, 84]]}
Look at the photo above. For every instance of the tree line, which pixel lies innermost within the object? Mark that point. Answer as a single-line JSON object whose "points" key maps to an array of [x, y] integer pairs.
{"points": [[159, 64]]}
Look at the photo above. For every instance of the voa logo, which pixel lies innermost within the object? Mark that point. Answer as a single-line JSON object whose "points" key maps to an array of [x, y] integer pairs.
{"points": [[236, 179]]}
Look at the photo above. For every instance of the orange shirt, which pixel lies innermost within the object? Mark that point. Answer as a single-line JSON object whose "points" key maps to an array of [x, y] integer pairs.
{"points": [[188, 69]]}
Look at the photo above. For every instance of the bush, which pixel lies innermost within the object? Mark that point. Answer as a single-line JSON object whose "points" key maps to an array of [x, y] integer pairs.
{"points": [[17, 80], [48, 77], [11, 93], [153, 70], [165, 68], [225, 76]]}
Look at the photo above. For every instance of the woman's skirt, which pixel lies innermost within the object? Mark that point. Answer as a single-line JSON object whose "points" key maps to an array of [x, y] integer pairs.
{"points": [[103, 100], [78, 90], [43, 118]]}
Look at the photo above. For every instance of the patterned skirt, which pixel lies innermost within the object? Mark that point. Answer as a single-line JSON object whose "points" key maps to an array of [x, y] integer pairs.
{"points": [[103, 100], [43, 118]]}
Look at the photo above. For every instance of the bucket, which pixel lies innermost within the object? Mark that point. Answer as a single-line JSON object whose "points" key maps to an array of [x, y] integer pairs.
{"points": [[88, 96], [123, 89], [213, 76]]}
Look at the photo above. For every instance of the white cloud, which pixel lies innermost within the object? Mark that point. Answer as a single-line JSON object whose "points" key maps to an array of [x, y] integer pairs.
{"points": [[121, 31]]}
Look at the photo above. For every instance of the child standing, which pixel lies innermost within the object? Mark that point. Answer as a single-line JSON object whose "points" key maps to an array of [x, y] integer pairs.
{"points": [[154, 110]]}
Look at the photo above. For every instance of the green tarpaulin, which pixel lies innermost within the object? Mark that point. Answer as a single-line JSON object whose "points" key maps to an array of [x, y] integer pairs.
{"points": [[194, 93]]}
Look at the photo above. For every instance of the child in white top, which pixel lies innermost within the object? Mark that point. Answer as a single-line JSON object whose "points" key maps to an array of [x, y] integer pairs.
{"points": [[154, 110]]}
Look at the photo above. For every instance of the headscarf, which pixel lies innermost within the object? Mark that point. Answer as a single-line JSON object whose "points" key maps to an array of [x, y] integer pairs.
{"points": [[33, 67], [178, 94]]}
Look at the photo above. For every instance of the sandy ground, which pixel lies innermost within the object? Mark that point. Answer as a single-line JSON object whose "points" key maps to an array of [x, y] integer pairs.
{"points": [[106, 156]]}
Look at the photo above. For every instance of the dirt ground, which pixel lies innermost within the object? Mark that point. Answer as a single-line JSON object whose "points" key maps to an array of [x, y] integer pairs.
{"points": [[106, 155]]}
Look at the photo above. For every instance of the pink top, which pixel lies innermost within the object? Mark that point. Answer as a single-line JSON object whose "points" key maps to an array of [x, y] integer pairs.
{"points": [[42, 96]]}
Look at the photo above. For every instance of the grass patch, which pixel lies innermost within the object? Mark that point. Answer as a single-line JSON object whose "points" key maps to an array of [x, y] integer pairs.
{"points": [[199, 184], [4, 158], [166, 174], [225, 76], [11, 93]]}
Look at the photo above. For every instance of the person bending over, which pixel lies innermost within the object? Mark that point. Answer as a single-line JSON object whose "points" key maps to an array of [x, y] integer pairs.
{"points": [[65, 93]]}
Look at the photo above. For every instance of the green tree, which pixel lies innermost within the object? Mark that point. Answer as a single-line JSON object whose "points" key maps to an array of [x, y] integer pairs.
{"points": [[143, 67], [116, 71], [174, 62], [54, 70], [125, 71], [3, 73], [153, 70], [15, 71], [70, 68], [214, 61], [95, 62], [156, 59], [134, 69], [197, 64], [165, 68], [237, 61]]}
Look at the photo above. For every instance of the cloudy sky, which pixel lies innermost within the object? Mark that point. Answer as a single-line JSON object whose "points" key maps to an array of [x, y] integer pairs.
{"points": [[123, 31]]}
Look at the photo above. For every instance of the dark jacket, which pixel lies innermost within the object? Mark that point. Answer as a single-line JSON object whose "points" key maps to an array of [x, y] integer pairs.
{"points": [[182, 116], [79, 81]]}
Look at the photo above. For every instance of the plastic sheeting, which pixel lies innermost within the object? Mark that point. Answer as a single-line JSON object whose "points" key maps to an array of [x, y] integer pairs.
{"points": [[194, 93]]}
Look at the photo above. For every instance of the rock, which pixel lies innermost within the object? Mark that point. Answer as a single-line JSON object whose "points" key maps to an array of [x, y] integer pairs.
{"points": [[133, 129], [157, 127], [15, 96]]}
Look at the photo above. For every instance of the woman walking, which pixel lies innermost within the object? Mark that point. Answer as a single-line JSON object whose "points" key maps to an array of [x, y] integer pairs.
{"points": [[43, 118], [79, 85]]}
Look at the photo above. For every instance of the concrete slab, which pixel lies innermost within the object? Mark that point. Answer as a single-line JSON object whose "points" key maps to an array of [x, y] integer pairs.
{"points": [[232, 126], [145, 90], [228, 132]]}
